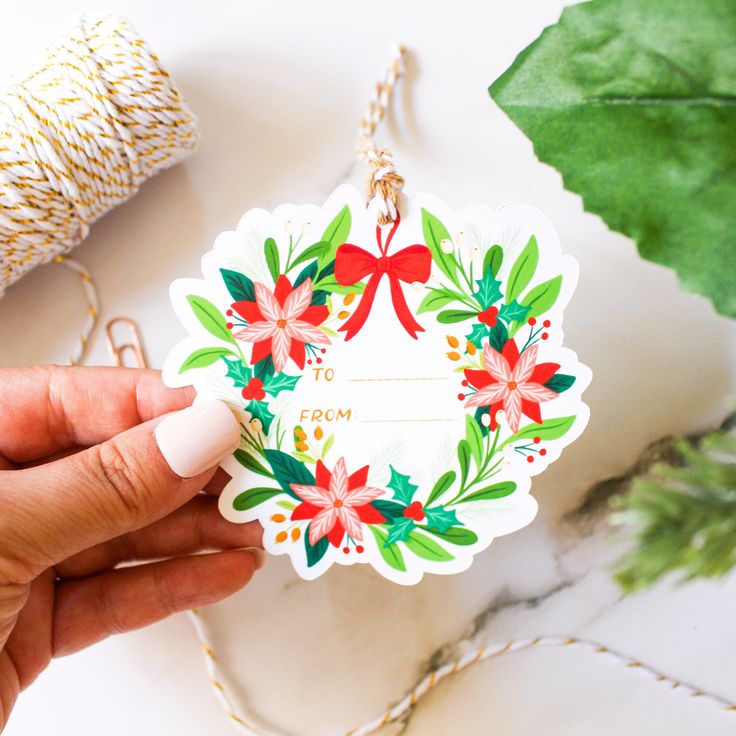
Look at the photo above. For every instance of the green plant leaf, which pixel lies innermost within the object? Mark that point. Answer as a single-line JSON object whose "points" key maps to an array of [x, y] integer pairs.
{"points": [[440, 518], [315, 552], [522, 270], [204, 357], [443, 484], [336, 233], [308, 272], [330, 284], [560, 382], [477, 335], [513, 312], [271, 251], [400, 529], [489, 493], [239, 372], [287, 470], [633, 102], [254, 497], [434, 233], [463, 458], [402, 486], [260, 410], [474, 438], [436, 299], [274, 385], [450, 316], [489, 290], [314, 251], [248, 461], [390, 509], [542, 297], [391, 554], [549, 429], [210, 317], [498, 336], [426, 548], [264, 369], [493, 259], [241, 288], [456, 535]]}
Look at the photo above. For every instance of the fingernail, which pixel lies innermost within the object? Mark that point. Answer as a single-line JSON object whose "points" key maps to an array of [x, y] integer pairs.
{"points": [[259, 556], [198, 438]]}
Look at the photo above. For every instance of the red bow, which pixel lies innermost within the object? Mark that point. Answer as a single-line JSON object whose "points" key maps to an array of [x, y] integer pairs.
{"points": [[353, 264]]}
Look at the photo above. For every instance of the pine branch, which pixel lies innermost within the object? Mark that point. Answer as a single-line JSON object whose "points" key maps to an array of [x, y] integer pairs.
{"points": [[683, 517]]}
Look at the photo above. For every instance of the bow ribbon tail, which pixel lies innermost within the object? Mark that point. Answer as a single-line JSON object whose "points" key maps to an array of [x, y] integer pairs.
{"points": [[402, 308], [360, 315]]}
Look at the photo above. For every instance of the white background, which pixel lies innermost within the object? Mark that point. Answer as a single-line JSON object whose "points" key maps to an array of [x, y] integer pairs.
{"points": [[279, 88]]}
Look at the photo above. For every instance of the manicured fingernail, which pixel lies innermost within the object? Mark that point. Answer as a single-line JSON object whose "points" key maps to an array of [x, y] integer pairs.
{"points": [[198, 438], [259, 556]]}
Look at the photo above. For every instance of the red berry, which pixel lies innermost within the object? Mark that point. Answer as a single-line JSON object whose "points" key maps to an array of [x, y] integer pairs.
{"points": [[247, 394], [532, 321], [537, 440], [323, 350], [488, 316], [414, 511], [529, 459], [544, 336], [346, 550], [543, 452], [461, 397], [309, 362], [546, 323], [319, 360], [229, 325], [464, 383], [229, 313], [360, 548]]}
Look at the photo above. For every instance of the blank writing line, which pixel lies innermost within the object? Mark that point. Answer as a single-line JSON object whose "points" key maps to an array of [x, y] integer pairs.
{"points": [[407, 420], [421, 378]]}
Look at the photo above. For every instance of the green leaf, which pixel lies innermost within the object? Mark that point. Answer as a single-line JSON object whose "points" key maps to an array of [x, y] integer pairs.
{"points": [[336, 233], [288, 505], [264, 369], [329, 283], [513, 312], [560, 382], [479, 413], [241, 288], [474, 438], [450, 316], [522, 270], [493, 259], [329, 442], [434, 233], [287, 470], [239, 372], [498, 336], [463, 458], [426, 548], [549, 429], [489, 493], [399, 530], [248, 461], [436, 299], [274, 385], [477, 335], [440, 518], [391, 554], [456, 535], [542, 297], [272, 258], [401, 486], [443, 484], [314, 251], [315, 552], [204, 357], [210, 317], [308, 272], [633, 102], [254, 497], [389, 509], [259, 410], [489, 290]]}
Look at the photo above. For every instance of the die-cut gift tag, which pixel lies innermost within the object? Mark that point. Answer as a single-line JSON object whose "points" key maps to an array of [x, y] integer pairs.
{"points": [[397, 386]]}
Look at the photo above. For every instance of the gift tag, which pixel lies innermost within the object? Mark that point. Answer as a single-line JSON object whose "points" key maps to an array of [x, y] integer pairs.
{"points": [[397, 385]]}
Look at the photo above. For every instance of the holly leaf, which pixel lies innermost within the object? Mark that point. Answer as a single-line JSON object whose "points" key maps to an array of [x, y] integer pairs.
{"points": [[239, 372], [259, 410], [274, 385], [440, 518], [560, 382], [402, 487], [489, 289], [477, 334], [513, 312], [633, 102], [399, 531]]}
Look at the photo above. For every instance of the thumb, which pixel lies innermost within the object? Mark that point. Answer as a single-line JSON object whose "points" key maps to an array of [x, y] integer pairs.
{"points": [[53, 511]]}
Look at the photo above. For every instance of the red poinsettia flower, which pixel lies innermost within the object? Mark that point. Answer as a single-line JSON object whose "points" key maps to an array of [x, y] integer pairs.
{"points": [[337, 503], [282, 322], [511, 382]]}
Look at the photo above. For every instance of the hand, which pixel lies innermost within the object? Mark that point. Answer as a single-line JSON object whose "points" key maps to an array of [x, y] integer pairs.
{"points": [[86, 483]]}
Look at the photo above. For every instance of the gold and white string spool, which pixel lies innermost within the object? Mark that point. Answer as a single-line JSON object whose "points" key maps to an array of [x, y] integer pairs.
{"points": [[79, 133]]}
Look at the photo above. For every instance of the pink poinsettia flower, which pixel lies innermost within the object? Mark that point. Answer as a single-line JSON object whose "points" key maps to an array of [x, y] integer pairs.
{"points": [[338, 503], [282, 322], [512, 382]]}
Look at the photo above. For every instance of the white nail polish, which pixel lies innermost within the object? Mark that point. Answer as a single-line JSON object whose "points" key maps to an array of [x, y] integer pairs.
{"points": [[198, 438]]}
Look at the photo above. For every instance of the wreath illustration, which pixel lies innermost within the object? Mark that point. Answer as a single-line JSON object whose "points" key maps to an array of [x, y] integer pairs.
{"points": [[320, 291]]}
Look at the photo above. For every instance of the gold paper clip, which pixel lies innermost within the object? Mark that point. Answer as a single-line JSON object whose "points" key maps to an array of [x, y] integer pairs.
{"points": [[117, 352]]}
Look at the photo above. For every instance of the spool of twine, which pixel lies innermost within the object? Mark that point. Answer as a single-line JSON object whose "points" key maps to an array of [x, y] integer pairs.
{"points": [[79, 133]]}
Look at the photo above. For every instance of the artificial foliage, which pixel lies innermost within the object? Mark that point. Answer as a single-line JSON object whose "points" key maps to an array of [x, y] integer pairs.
{"points": [[683, 515], [634, 103]]}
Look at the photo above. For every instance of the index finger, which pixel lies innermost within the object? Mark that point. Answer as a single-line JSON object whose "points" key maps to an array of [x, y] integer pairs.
{"points": [[48, 409]]}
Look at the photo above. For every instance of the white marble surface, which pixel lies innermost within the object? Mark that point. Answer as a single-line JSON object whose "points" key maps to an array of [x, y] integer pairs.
{"points": [[278, 88]]}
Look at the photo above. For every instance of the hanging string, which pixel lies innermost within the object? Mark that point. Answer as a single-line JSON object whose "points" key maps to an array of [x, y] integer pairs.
{"points": [[383, 184], [79, 133]]}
